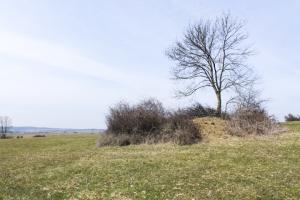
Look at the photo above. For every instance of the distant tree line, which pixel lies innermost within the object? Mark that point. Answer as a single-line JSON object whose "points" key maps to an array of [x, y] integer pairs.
{"points": [[290, 117]]}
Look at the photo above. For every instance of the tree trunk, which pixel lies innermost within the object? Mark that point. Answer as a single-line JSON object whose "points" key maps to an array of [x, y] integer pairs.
{"points": [[219, 106]]}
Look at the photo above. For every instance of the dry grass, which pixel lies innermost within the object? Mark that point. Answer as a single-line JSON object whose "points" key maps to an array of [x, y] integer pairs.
{"points": [[212, 126]]}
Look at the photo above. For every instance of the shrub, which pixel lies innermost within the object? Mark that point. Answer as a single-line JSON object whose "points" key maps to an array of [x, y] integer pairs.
{"points": [[148, 122], [251, 121], [39, 136], [185, 134], [150, 116], [176, 118], [291, 117], [249, 117], [181, 131], [197, 110], [144, 118], [109, 139]]}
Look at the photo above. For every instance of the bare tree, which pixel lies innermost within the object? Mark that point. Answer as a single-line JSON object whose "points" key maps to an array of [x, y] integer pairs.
{"points": [[212, 54], [1, 124], [5, 124]]}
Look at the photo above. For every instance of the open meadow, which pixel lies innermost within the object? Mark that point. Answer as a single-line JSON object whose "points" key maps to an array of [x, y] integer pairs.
{"points": [[72, 167]]}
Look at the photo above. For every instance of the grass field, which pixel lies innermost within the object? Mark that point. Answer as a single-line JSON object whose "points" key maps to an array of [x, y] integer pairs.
{"points": [[71, 167]]}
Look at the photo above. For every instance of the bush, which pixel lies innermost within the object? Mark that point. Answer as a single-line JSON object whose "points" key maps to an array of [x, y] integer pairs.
{"points": [[185, 134], [108, 139], [148, 122], [181, 131], [39, 136], [144, 118], [291, 117], [251, 121], [197, 110]]}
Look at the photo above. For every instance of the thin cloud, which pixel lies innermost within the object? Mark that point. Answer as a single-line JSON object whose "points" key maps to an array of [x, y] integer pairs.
{"points": [[51, 54]]}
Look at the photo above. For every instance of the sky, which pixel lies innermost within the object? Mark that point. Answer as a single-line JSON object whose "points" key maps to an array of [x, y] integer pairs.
{"points": [[63, 63]]}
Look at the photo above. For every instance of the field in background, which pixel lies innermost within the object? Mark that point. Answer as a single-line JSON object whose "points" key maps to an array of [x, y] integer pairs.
{"points": [[71, 167], [293, 126]]}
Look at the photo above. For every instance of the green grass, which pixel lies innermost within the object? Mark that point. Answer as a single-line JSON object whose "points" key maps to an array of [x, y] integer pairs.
{"points": [[293, 126], [71, 167]]}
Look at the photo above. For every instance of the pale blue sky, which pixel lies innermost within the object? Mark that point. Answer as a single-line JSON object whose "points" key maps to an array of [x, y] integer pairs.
{"points": [[64, 62]]}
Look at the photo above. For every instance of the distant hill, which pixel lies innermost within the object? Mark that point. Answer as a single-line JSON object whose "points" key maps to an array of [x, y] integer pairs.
{"points": [[29, 129]]}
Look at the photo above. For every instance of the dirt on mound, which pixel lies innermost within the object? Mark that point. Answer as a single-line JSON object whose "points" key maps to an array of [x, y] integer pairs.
{"points": [[212, 126]]}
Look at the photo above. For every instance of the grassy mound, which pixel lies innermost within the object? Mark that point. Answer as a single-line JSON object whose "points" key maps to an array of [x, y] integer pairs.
{"points": [[212, 126]]}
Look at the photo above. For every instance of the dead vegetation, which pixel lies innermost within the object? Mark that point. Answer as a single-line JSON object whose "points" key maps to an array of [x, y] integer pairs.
{"points": [[249, 117], [148, 122], [252, 121]]}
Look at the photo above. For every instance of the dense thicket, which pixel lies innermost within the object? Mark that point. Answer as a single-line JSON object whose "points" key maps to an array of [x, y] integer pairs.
{"points": [[149, 122], [144, 118]]}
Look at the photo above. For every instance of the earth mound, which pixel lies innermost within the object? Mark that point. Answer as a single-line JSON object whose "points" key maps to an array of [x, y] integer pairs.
{"points": [[212, 126]]}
